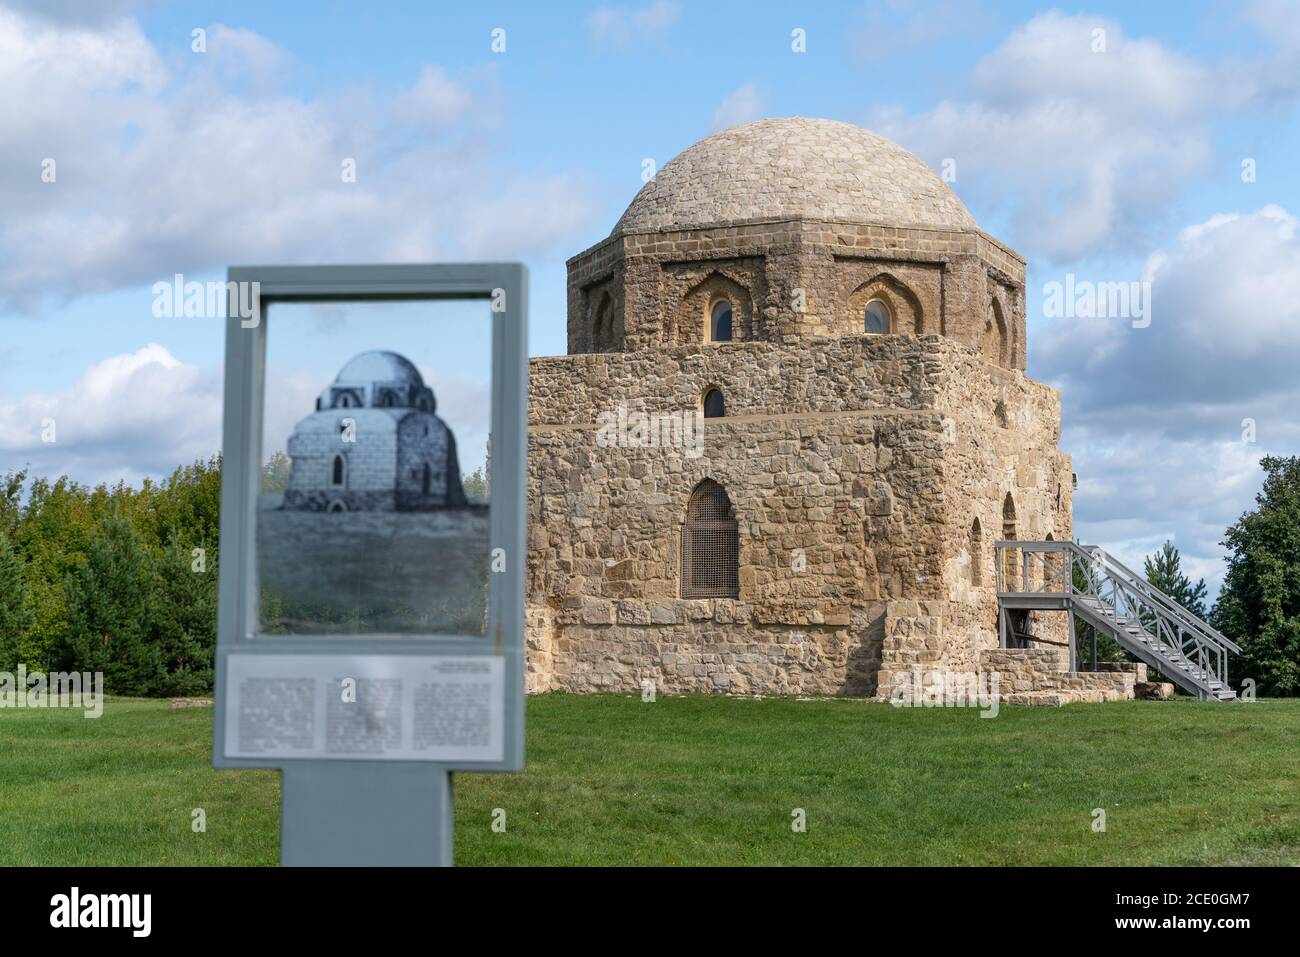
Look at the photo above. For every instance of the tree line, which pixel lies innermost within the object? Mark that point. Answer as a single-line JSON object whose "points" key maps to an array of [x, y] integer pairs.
{"points": [[120, 580], [123, 580]]}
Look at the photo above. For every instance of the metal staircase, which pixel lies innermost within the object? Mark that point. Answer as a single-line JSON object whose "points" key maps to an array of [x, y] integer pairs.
{"points": [[1115, 600]]}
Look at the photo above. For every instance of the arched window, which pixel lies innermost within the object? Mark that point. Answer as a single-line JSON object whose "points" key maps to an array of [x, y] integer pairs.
{"points": [[425, 475], [602, 327], [710, 560], [1009, 535], [877, 318], [714, 406], [993, 343], [720, 321], [339, 472], [976, 553]]}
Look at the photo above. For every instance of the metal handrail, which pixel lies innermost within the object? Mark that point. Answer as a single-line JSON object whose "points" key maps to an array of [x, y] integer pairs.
{"points": [[1173, 606], [1144, 587], [1203, 650]]}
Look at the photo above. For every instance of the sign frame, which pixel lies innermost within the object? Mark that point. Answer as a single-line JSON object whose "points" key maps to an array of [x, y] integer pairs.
{"points": [[505, 287]]}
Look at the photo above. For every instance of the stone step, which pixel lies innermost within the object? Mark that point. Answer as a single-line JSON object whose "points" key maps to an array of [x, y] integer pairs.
{"points": [[1040, 699]]}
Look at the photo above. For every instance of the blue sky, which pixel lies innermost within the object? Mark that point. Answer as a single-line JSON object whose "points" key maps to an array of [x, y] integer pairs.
{"points": [[1109, 165]]}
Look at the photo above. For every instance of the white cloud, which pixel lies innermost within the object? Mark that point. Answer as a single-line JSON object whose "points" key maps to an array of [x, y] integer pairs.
{"points": [[1154, 416], [1083, 152], [131, 415], [620, 26], [435, 100], [206, 164], [899, 27], [79, 11], [739, 107], [1077, 147]]}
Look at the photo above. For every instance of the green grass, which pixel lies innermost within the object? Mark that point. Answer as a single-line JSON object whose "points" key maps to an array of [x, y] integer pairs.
{"points": [[711, 780]]}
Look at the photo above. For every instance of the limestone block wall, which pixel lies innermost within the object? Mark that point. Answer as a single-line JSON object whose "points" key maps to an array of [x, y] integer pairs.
{"points": [[831, 514], [1004, 429], [1027, 670], [796, 280], [870, 373], [831, 459], [854, 468]]}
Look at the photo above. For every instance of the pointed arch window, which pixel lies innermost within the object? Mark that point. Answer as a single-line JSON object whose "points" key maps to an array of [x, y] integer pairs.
{"points": [[720, 321], [976, 553], [602, 331], [714, 405], [1009, 535], [710, 545], [877, 319], [338, 472], [993, 342]]}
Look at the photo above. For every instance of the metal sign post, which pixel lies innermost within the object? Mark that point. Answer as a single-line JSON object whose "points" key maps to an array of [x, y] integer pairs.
{"points": [[368, 729]]}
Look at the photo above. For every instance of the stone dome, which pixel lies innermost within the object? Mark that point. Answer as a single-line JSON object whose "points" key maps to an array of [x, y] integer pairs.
{"points": [[794, 168], [380, 366], [378, 379]]}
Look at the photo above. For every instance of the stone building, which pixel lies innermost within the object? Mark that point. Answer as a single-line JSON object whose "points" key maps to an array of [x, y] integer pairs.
{"points": [[374, 443], [853, 347]]}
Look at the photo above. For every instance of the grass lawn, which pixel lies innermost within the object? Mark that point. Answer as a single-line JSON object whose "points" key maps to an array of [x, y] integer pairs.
{"points": [[713, 780]]}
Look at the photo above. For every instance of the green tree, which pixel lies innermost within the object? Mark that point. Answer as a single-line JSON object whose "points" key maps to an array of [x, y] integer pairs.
{"points": [[11, 493], [52, 536], [108, 601], [186, 505], [183, 619], [275, 473], [1259, 607], [1164, 570], [16, 615], [478, 484]]}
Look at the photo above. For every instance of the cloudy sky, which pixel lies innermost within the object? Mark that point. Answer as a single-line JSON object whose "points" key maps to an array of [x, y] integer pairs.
{"points": [[1117, 142]]}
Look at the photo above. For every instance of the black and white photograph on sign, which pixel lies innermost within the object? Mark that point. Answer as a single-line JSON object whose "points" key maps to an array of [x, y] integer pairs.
{"points": [[375, 489]]}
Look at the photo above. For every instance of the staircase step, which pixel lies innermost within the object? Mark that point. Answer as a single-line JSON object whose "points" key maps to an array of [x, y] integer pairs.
{"points": [[1166, 638]]}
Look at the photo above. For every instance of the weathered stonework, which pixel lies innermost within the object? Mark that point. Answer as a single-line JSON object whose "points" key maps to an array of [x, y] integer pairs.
{"points": [[869, 474]]}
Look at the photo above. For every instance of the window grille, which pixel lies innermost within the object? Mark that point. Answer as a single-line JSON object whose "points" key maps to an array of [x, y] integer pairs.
{"points": [[710, 559]]}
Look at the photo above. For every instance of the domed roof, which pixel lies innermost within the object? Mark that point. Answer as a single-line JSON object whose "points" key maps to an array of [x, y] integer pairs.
{"points": [[378, 380], [380, 366], [794, 168]]}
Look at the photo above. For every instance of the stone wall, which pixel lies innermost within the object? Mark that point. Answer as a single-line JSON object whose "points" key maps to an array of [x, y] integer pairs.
{"points": [[848, 464], [1025, 673], [796, 280], [1004, 429]]}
